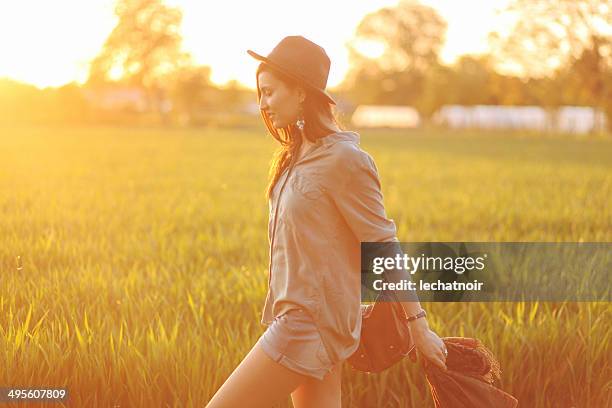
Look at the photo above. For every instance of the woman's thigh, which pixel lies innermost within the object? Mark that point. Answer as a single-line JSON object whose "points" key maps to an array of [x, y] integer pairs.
{"points": [[325, 393], [258, 381]]}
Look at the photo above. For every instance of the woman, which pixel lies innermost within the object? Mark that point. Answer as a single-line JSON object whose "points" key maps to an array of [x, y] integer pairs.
{"points": [[325, 199]]}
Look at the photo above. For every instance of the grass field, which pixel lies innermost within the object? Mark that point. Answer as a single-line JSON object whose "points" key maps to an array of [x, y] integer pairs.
{"points": [[143, 258]]}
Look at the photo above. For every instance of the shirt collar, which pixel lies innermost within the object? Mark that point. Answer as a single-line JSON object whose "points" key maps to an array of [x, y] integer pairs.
{"points": [[344, 135]]}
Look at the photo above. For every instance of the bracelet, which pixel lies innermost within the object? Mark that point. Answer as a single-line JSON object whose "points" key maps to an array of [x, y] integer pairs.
{"points": [[422, 313]]}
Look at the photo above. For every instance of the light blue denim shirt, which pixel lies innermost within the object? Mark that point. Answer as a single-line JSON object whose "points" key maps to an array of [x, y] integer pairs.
{"points": [[321, 209]]}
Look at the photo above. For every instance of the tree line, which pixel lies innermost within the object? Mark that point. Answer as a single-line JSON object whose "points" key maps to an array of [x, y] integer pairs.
{"points": [[559, 52]]}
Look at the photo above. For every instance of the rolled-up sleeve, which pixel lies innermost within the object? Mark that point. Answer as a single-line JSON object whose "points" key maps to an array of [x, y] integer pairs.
{"points": [[359, 199]]}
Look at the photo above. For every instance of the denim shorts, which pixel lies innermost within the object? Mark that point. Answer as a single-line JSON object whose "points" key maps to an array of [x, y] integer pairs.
{"points": [[293, 341]]}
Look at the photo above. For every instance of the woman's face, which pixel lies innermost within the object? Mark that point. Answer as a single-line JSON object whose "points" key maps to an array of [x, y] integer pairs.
{"points": [[280, 102]]}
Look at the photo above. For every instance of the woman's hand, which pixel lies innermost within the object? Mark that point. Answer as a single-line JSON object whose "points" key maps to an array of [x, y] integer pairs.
{"points": [[427, 343]]}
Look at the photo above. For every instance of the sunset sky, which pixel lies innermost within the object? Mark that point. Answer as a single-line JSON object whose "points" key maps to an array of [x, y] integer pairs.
{"points": [[49, 43]]}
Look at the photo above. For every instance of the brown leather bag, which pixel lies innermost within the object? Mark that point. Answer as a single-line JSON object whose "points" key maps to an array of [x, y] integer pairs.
{"points": [[385, 336]]}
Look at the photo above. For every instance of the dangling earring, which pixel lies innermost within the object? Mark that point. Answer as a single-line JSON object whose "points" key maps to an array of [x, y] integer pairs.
{"points": [[301, 122]]}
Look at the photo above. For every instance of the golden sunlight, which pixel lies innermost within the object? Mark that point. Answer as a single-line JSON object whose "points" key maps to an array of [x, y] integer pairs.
{"points": [[63, 36]]}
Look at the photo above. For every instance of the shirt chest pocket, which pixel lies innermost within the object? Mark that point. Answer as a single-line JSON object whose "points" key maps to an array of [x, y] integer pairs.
{"points": [[308, 184]]}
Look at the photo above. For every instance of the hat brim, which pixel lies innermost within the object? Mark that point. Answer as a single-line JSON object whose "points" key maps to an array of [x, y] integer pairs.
{"points": [[322, 92]]}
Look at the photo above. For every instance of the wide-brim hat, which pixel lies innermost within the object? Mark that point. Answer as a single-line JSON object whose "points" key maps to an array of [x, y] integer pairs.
{"points": [[302, 60]]}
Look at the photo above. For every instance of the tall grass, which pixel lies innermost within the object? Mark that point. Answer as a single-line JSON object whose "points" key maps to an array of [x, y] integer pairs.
{"points": [[143, 258]]}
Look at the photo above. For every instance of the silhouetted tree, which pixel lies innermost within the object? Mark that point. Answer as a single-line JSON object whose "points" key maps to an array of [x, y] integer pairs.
{"points": [[142, 49], [412, 35], [563, 40], [192, 91]]}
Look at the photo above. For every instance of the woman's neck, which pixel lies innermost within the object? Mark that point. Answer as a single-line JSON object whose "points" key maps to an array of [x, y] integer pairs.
{"points": [[304, 147], [307, 144]]}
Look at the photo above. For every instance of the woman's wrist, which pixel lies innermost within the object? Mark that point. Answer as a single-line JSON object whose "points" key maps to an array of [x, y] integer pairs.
{"points": [[418, 327]]}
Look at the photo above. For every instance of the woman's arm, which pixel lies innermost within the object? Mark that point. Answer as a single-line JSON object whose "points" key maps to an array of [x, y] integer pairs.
{"points": [[359, 198], [357, 195]]}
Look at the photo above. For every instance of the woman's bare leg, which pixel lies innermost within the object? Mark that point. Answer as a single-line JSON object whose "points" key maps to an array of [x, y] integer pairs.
{"points": [[258, 381], [325, 393]]}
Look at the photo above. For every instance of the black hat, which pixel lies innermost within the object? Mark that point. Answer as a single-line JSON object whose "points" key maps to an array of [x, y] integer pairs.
{"points": [[302, 60]]}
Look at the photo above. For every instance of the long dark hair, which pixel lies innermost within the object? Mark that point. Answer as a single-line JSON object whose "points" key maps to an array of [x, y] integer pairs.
{"points": [[290, 137]]}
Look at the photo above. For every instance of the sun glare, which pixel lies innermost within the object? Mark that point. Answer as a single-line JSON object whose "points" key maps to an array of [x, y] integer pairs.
{"points": [[51, 43]]}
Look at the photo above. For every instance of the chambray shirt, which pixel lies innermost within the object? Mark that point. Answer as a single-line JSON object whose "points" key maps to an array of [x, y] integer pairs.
{"points": [[321, 209]]}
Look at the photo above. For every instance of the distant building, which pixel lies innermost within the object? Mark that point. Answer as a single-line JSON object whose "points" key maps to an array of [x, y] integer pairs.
{"points": [[251, 108], [565, 119], [124, 97], [386, 116], [493, 117], [580, 119], [117, 98]]}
